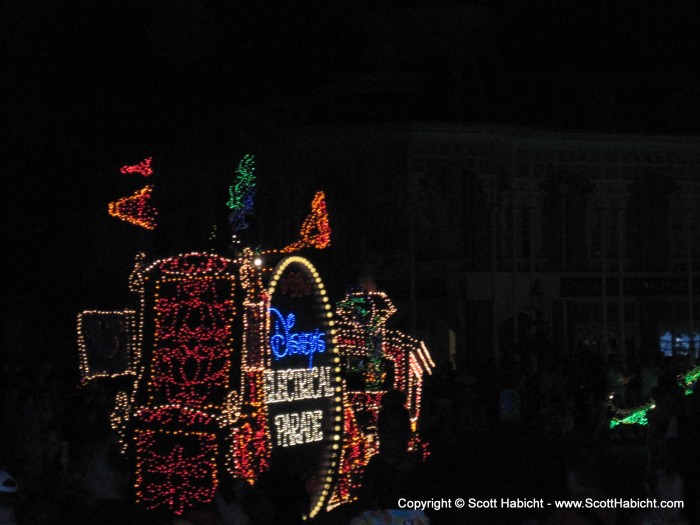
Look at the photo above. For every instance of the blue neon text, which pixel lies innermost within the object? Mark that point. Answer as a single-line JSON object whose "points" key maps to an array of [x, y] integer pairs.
{"points": [[284, 342]]}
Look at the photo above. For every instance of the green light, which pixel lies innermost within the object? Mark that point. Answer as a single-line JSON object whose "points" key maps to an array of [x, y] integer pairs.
{"points": [[245, 184], [353, 303], [687, 381], [638, 417], [692, 376]]}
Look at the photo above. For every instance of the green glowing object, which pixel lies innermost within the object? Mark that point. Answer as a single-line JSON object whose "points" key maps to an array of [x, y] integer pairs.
{"points": [[637, 417], [355, 303], [692, 376], [241, 191]]}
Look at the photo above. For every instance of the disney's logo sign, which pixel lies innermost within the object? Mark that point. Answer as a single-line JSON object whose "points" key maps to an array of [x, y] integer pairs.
{"points": [[284, 342]]}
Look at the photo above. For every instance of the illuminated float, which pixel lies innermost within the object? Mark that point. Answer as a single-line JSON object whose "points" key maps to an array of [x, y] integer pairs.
{"points": [[218, 368], [376, 359], [638, 416]]}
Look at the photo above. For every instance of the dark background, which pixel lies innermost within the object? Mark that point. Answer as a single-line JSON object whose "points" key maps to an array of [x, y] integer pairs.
{"points": [[92, 86], [89, 86]]}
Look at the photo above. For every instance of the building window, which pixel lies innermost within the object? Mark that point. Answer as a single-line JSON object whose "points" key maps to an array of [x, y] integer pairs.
{"points": [[680, 344], [525, 237]]}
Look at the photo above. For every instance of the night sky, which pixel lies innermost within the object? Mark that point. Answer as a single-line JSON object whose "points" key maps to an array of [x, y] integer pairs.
{"points": [[91, 86], [107, 74]]}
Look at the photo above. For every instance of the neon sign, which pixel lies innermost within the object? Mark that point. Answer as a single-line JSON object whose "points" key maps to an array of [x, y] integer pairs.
{"points": [[303, 386], [297, 429], [284, 342], [285, 386]]}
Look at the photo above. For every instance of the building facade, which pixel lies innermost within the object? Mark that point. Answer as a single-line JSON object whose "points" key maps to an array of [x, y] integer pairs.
{"points": [[486, 233]]}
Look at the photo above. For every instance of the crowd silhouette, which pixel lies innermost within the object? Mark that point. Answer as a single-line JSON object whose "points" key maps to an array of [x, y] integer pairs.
{"points": [[533, 426]]}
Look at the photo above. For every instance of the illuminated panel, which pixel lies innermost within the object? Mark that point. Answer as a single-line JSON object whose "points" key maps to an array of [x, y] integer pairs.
{"points": [[175, 470], [192, 357], [105, 341], [303, 386], [136, 209], [371, 351], [186, 381], [285, 341]]}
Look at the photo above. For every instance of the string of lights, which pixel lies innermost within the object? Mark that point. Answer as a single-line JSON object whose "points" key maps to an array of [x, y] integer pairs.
{"points": [[639, 415], [186, 379], [250, 439], [295, 278], [636, 416], [180, 478], [689, 379], [372, 350], [242, 194], [94, 338], [136, 209], [199, 400], [143, 168], [315, 230]]}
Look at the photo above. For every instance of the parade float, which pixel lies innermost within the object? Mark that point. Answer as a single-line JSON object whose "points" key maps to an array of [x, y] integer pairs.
{"points": [[621, 418], [376, 360], [225, 362], [630, 426]]}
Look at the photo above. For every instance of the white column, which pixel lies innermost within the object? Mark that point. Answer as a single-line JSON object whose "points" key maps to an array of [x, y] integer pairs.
{"points": [[691, 313], [620, 288], [604, 276]]}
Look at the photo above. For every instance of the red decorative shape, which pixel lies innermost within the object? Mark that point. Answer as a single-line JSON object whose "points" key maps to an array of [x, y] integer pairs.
{"points": [[191, 360], [315, 230], [188, 382], [174, 415], [143, 167], [250, 443], [366, 405], [136, 209], [194, 264], [179, 478], [355, 456]]}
